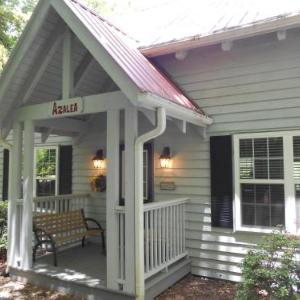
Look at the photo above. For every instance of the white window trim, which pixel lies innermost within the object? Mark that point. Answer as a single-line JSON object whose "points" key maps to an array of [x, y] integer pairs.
{"points": [[289, 182], [56, 169]]}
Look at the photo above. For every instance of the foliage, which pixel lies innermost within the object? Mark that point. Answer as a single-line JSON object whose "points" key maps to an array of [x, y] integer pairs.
{"points": [[45, 162], [3, 227], [3, 210], [271, 270], [14, 14]]}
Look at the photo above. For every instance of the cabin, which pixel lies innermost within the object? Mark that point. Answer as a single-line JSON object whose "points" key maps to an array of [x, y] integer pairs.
{"points": [[136, 164]]}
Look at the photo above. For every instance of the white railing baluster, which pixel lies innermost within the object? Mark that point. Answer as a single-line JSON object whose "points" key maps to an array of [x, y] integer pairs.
{"points": [[151, 241], [164, 234], [147, 241], [57, 204]]}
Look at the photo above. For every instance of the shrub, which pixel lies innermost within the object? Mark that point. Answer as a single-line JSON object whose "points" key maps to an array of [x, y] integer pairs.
{"points": [[3, 210], [3, 229], [271, 270]]}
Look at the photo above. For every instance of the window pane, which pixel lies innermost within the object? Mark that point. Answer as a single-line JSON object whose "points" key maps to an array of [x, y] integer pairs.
{"points": [[277, 194], [262, 204], [262, 215], [246, 168], [45, 187], [276, 169], [261, 169], [248, 193], [260, 147], [45, 171], [277, 215], [246, 148], [296, 146], [262, 193], [248, 214], [275, 147]]}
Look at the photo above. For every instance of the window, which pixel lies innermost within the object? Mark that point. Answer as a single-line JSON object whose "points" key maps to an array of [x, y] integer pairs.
{"points": [[46, 162], [148, 173], [267, 180]]}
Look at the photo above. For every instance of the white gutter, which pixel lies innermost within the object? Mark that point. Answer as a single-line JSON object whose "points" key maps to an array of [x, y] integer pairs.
{"points": [[161, 121], [151, 101]]}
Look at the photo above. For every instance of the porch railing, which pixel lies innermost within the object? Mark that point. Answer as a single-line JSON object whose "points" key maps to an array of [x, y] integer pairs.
{"points": [[59, 204], [164, 234]]}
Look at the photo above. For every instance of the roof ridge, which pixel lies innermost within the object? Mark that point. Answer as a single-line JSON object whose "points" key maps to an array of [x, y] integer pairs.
{"points": [[103, 19]]}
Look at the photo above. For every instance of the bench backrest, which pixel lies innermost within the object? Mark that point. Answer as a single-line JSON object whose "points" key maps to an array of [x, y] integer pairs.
{"points": [[60, 223]]}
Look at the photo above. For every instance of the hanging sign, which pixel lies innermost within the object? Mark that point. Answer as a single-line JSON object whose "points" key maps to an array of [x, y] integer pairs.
{"points": [[66, 107]]}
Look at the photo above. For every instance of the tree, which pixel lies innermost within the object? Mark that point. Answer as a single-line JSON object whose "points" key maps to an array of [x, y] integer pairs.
{"points": [[14, 14]]}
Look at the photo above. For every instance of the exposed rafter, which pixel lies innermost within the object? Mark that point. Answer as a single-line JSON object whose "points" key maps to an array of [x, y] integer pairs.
{"points": [[82, 70], [45, 56], [68, 74]]}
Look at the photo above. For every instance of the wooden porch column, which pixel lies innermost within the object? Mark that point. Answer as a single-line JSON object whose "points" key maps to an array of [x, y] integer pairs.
{"points": [[14, 194], [131, 132], [112, 196], [26, 234]]}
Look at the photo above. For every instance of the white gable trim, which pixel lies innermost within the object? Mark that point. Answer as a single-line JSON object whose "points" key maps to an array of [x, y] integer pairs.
{"points": [[96, 49]]}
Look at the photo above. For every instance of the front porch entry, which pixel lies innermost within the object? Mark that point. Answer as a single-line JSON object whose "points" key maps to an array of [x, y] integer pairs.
{"points": [[162, 224]]}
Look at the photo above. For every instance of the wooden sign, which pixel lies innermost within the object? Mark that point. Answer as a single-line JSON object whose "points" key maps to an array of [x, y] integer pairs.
{"points": [[66, 107]]}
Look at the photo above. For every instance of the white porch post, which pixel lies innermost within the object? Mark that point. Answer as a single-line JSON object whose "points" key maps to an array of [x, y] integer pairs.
{"points": [[113, 148], [26, 238], [131, 127], [14, 195]]}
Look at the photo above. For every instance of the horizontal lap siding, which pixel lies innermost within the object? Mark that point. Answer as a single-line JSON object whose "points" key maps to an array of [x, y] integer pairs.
{"points": [[250, 88], [83, 172]]}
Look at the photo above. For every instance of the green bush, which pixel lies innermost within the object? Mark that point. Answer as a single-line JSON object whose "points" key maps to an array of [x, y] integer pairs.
{"points": [[271, 270], [3, 228]]}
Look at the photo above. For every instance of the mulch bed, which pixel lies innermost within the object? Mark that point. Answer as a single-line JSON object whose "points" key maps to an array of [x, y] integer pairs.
{"points": [[200, 288]]}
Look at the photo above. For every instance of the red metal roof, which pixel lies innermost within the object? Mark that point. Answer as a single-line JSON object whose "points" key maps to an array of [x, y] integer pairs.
{"points": [[124, 51]]}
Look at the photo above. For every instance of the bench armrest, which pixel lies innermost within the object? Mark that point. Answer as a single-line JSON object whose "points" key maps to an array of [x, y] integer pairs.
{"points": [[40, 233], [98, 226]]}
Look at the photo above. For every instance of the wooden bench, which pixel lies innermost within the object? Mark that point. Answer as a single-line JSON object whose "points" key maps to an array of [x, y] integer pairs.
{"points": [[60, 229]]}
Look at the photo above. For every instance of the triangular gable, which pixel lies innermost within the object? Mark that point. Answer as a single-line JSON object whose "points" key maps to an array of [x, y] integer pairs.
{"points": [[118, 56]]}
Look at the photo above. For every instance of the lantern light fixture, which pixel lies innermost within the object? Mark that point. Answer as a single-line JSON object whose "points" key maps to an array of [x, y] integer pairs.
{"points": [[98, 159], [165, 158]]}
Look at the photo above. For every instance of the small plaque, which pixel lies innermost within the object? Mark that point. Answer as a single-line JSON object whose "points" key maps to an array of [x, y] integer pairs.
{"points": [[168, 186]]}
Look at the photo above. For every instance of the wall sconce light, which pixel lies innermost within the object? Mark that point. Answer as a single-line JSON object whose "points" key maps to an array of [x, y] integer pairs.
{"points": [[165, 158], [98, 159]]}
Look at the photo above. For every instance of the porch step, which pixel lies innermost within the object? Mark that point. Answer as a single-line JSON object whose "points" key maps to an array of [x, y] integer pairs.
{"points": [[69, 287], [163, 280]]}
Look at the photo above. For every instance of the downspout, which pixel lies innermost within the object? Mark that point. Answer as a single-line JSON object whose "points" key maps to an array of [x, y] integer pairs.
{"points": [[139, 205], [8, 146]]}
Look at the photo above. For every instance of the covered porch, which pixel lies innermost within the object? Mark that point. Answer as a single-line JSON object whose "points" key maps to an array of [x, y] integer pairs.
{"points": [[109, 97]]}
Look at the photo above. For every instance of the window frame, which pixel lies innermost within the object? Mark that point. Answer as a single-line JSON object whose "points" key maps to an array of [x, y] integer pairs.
{"points": [[56, 169], [288, 181], [149, 148]]}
